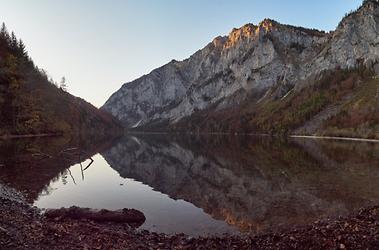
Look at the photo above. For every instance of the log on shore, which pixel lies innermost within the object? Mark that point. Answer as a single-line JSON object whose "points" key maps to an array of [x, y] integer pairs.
{"points": [[129, 216]]}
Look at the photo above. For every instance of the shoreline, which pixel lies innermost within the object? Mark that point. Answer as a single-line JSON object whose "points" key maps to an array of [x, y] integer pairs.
{"points": [[335, 138], [359, 139], [7, 137], [24, 227]]}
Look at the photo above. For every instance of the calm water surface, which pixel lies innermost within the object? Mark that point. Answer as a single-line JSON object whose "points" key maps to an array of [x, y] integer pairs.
{"points": [[200, 186]]}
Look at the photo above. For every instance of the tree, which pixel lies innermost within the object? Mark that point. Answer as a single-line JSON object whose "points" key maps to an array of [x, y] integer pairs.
{"points": [[63, 84], [14, 87], [4, 34], [21, 49], [14, 41], [370, 1]]}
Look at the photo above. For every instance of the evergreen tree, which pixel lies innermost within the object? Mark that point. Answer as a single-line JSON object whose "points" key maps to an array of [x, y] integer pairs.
{"points": [[13, 42], [21, 48], [4, 34]]}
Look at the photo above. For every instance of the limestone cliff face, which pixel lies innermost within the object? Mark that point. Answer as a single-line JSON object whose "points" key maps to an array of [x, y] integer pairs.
{"points": [[250, 62]]}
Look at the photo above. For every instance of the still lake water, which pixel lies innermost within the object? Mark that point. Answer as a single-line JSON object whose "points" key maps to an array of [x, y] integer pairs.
{"points": [[201, 185]]}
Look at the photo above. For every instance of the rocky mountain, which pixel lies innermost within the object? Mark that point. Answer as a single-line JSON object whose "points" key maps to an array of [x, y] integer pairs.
{"points": [[236, 82]]}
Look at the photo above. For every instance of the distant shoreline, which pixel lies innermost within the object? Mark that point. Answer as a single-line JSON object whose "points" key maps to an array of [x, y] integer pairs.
{"points": [[252, 134], [5, 137], [334, 138]]}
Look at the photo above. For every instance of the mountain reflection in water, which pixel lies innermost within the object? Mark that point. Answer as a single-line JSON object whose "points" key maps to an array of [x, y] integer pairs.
{"points": [[200, 185], [254, 183]]}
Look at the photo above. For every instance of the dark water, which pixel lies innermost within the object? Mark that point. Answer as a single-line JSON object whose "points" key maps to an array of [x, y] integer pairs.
{"points": [[199, 186]]}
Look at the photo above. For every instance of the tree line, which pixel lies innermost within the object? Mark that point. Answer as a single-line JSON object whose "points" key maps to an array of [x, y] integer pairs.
{"points": [[20, 82]]}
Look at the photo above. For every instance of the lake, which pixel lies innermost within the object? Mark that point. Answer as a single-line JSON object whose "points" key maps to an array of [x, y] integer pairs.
{"points": [[198, 185]]}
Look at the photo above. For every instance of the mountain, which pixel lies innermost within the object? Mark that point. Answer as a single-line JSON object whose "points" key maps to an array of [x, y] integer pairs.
{"points": [[270, 78], [30, 103]]}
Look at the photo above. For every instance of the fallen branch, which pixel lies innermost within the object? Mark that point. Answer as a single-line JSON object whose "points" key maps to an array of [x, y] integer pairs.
{"points": [[72, 177], [89, 164], [129, 216], [42, 155], [67, 150], [81, 166]]}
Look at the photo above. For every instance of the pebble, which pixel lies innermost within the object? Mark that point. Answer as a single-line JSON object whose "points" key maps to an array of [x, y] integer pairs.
{"points": [[29, 227], [3, 230]]}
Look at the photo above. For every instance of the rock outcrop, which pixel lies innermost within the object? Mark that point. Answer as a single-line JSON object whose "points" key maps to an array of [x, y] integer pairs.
{"points": [[251, 63]]}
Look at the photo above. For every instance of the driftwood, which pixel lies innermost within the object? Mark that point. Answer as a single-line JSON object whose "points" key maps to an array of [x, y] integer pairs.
{"points": [[68, 150], [129, 216], [89, 164], [41, 155], [76, 151]]}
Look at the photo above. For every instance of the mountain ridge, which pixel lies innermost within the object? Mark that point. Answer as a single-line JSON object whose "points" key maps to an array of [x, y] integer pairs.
{"points": [[252, 63]]}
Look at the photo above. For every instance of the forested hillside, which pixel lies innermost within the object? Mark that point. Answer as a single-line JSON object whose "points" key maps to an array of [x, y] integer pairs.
{"points": [[340, 103], [30, 103]]}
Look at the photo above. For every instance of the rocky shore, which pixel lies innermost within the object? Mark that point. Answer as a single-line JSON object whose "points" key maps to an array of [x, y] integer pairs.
{"points": [[23, 227]]}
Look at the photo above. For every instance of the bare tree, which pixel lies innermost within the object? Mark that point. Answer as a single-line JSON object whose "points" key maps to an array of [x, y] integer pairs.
{"points": [[63, 84]]}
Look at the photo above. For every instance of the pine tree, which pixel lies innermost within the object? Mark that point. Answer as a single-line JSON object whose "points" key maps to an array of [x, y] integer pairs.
{"points": [[3, 29], [4, 34], [13, 42], [21, 48]]}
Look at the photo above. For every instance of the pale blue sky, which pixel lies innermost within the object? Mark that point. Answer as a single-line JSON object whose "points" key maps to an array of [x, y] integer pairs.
{"points": [[99, 45]]}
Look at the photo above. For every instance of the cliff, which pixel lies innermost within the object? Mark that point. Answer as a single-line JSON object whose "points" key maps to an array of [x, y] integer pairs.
{"points": [[231, 82]]}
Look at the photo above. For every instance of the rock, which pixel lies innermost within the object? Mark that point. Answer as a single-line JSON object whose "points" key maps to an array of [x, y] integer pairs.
{"points": [[3, 230], [85, 234], [245, 65], [376, 68]]}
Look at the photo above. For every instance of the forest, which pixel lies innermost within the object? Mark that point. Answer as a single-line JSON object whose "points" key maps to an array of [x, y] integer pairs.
{"points": [[31, 103]]}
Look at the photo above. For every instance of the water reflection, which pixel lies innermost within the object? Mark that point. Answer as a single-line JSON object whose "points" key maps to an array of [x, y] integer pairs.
{"points": [[200, 185], [254, 183], [104, 188], [29, 165]]}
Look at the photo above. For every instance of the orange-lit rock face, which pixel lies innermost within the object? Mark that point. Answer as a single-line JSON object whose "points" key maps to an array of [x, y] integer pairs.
{"points": [[251, 62], [247, 31], [218, 42], [267, 25]]}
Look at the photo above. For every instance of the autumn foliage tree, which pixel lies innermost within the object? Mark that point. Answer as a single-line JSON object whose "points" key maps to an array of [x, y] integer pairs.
{"points": [[30, 102], [18, 110]]}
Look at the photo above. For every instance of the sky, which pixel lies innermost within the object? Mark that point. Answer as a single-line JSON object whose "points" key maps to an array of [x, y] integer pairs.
{"points": [[99, 45]]}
